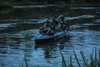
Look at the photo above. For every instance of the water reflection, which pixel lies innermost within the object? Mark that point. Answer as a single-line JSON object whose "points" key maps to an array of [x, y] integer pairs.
{"points": [[45, 12], [50, 48], [19, 27], [94, 27]]}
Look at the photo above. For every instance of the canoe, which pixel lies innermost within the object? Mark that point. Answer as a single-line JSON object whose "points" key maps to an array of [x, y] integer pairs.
{"points": [[48, 38]]}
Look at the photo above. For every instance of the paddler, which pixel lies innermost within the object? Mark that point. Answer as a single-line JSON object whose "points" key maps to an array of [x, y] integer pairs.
{"points": [[64, 24]]}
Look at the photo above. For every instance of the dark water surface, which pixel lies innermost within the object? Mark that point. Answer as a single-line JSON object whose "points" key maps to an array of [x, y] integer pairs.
{"points": [[19, 26]]}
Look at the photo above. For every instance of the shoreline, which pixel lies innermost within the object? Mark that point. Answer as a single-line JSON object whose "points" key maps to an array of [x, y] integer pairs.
{"points": [[5, 5]]}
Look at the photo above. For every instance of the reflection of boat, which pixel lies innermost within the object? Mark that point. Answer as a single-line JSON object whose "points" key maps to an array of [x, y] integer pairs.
{"points": [[49, 38], [50, 47]]}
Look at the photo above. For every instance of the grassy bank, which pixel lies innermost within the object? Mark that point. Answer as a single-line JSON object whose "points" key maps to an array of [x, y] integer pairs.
{"points": [[29, 3], [6, 5], [9, 4]]}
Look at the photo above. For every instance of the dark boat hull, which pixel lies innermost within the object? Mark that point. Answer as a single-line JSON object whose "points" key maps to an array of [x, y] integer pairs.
{"points": [[48, 38]]}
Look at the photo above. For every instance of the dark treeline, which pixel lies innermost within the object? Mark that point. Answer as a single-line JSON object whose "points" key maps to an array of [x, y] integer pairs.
{"points": [[53, 1]]}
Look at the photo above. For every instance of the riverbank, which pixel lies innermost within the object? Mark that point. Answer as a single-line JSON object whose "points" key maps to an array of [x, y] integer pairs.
{"points": [[6, 5], [9, 4]]}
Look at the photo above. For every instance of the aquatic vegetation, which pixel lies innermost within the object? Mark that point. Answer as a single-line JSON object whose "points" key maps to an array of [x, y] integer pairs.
{"points": [[26, 63], [94, 62], [63, 60]]}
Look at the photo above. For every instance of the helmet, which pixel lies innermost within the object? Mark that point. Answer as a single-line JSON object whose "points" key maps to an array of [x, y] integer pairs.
{"points": [[61, 17]]}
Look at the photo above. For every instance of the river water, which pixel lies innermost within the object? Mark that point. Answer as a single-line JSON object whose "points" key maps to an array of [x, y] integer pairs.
{"points": [[19, 26]]}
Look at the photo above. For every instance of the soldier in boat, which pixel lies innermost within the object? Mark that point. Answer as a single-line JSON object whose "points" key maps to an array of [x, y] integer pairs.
{"points": [[56, 25], [47, 28], [64, 24]]}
